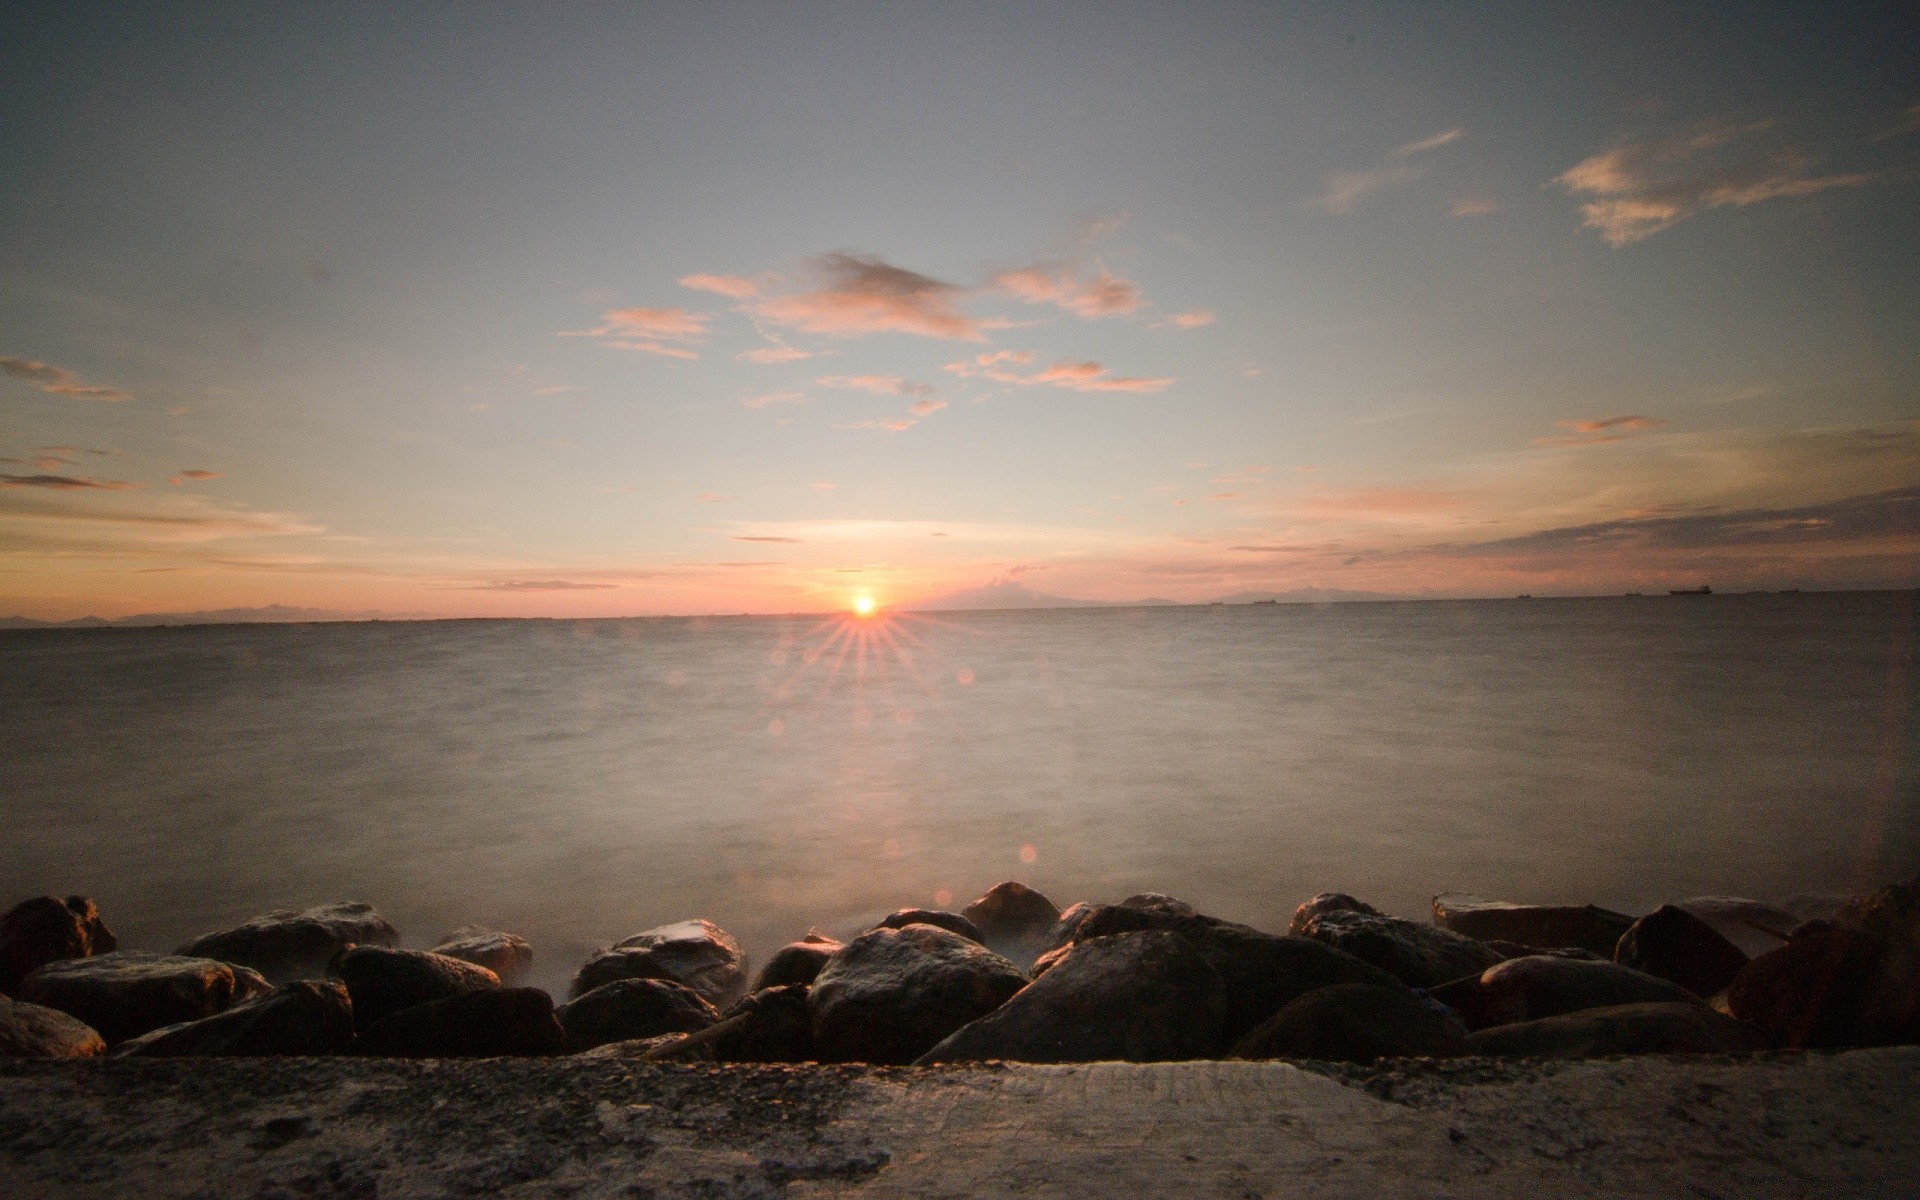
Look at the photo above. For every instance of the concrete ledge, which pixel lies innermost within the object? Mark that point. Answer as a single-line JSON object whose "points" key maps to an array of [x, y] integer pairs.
{"points": [[1813, 1125]]}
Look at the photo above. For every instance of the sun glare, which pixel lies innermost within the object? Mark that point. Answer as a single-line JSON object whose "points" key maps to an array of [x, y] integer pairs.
{"points": [[863, 606]]}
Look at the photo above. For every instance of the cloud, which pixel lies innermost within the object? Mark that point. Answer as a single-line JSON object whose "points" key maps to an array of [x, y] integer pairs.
{"points": [[857, 294], [1907, 122], [1091, 296], [1427, 143], [742, 537], [994, 365], [1092, 377], [712, 498], [768, 356], [185, 476], [1892, 514], [533, 585], [65, 483], [1189, 320], [1342, 190], [739, 287], [1642, 188], [889, 425], [823, 485], [924, 408], [667, 331], [879, 385], [1606, 429], [555, 390], [56, 381], [772, 398], [1475, 207]]}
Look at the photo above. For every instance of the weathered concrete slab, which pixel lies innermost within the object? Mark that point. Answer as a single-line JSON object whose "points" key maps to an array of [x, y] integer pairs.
{"points": [[1786, 1125]]}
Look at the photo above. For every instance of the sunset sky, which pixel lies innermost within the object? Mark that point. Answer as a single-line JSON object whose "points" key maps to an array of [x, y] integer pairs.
{"points": [[578, 309]]}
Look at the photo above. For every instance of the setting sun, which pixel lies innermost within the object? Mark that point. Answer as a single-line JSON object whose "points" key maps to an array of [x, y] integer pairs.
{"points": [[863, 606]]}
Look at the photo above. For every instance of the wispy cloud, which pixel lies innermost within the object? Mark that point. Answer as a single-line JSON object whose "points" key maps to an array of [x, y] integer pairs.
{"points": [[1606, 429], [66, 483], [1434, 142], [857, 294], [1342, 190], [665, 331], [785, 541], [1907, 122], [712, 498], [772, 398], [769, 356], [1475, 207], [1642, 188], [193, 476], [1193, 319], [884, 424], [533, 585], [56, 381], [1088, 294], [739, 287], [923, 408], [1079, 376], [879, 385]]}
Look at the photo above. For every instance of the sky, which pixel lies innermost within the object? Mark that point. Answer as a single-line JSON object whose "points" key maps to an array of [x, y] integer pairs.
{"points": [[593, 309]]}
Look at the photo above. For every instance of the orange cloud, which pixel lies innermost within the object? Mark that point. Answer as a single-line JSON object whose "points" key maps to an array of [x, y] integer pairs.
{"points": [[1606, 429], [650, 330], [1389, 502], [56, 381], [712, 498], [888, 425], [1092, 377], [1428, 143], [185, 476], [739, 287], [65, 483], [768, 356], [860, 294], [1102, 294], [1475, 207], [772, 398], [1189, 320], [924, 408], [879, 385]]}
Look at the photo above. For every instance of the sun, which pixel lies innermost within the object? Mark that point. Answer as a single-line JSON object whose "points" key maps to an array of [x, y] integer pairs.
{"points": [[863, 606]]}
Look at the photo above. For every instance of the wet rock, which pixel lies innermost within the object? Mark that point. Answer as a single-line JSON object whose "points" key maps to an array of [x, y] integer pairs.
{"points": [[697, 953], [796, 962], [633, 1008], [778, 1028], [1674, 944], [1516, 950], [1684, 1028], [1159, 902], [1549, 926], [130, 992], [640, 1047], [48, 929], [285, 945], [1146, 996], [1358, 1023], [1831, 985], [1892, 913], [305, 1017], [383, 981], [1526, 989], [949, 921], [35, 1031], [1014, 920], [1753, 927], [890, 995], [493, 1022], [507, 955], [1417, 955], [1063, 930], [1327, 902]]}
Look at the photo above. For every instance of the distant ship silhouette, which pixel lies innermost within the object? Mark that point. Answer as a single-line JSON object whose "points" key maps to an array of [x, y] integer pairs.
{"points": [[1702, 590]]}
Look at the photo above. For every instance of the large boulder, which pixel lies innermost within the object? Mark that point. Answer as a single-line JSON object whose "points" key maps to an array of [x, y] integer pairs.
{"points": [[1684, 1028], [952, 922], [1417, 955], [48, 929], [383, 981], [890, 995], [305, 1017], [796, 962], [507, 955], [774, 1025], [35, 1031], [1358, 1023], [633, 1008], [1014, 921], [1541, 985], [129, 992], [697, 953], [1831, 985], [285, 945], [1548, 926], [492, 1022], [1327, 902], [1061, 935], [1146, 996], [1674, 944], [1754, 927]]}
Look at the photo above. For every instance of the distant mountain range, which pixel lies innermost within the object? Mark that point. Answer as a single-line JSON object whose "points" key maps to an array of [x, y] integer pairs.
{"points": [[1010, 593], [271, 614]]}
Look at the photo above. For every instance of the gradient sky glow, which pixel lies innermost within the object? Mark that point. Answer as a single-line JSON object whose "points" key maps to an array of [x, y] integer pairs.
{"points": [[486, 309]]}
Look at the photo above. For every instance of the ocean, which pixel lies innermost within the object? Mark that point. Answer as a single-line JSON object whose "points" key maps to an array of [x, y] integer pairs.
{"points": [[579, 781]]}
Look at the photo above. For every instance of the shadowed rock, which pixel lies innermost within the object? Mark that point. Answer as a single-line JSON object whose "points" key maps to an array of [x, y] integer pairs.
{"points": [[633, 1008], [1831, 985], [1623, 1029], [890, 995], [796, 962], [305, 1017], [1516, 950], [1358, 1023], [1061, 934], [383, 981], [507, 955], [1750, 925], [492, 1022], [778, 1028], [697, 953], [639, 1048], [1417, 955], [1327, 902], [950, 921], [1014, 920], [1526, 989], [285, 945], [1676, 945], [130, 992], [1147, 996], [1549, 926], [48, 929], [35, 1031]]}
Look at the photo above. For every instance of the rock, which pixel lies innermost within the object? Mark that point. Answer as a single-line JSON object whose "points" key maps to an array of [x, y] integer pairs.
{"points": [[1892, 913], [1831, 985], [951, 922], [1526, 989], [640, 1047], [383, 981], [285, 945], [129, 992], [633, 1008], [1063, 930], [1146, 996], [1516, 950], [1159, 902], [1327, 902], [796, 962], [1549, 926], [1014, 921], [507, 955], [305, 1017], [35, 1031], [697, 953], [890, 995], [47, 929], [1357, 1023], [1684, 1028], [1417, 955], [778, 1028], [1754, 928], [492, 1022], [1674, 944]]}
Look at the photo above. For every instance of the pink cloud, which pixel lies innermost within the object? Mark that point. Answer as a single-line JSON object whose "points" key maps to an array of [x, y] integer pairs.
{"points": [[1606, 429], [650, 330], [712, 498], [56, 381], [772, 398], [1102, 294], [922, 408], [1475, 207], [739, 287], [860, 294], [879, 385], [992, 366], [1189, 320], [768, 356], [1092, 377], [889, 425]]}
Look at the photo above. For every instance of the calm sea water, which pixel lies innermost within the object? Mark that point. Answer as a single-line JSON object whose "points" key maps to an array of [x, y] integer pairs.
{"points": [[580, 781]]}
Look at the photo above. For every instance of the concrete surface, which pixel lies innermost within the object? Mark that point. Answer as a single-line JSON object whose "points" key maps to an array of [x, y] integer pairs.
{"points": [[1816, 1125]]}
